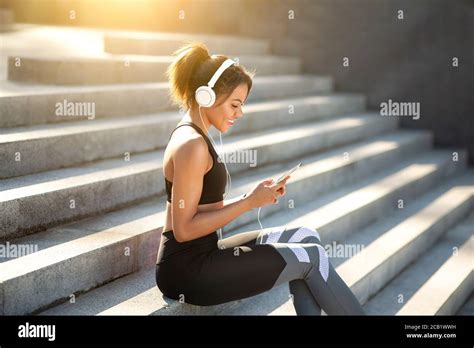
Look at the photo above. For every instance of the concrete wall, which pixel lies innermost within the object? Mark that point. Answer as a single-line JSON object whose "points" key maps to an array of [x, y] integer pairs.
{"points": [[407, 60]]}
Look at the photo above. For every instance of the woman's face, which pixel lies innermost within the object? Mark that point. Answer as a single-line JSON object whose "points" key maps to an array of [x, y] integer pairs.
{"points": [[222, 116]]}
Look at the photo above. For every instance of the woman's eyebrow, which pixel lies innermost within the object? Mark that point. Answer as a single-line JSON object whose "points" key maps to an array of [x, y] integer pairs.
{"points": [[238, 100]]}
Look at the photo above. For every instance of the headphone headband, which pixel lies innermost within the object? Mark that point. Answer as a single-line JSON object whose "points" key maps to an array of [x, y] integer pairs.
{"points": [[219, 72], [205, 95]]}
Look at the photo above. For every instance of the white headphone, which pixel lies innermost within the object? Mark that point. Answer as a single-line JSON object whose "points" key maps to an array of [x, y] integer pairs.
{"points": [[205, 95]]}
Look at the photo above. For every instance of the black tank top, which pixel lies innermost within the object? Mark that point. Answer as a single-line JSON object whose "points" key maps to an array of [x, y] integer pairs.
{"points": [[214, 181]]}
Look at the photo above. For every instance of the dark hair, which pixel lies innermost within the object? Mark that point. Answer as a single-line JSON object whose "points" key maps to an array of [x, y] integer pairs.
{"points": [[194, 67]]}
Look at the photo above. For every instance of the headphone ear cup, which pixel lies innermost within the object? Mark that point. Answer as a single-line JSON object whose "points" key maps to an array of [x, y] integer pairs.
{"points": [[205, 96]]}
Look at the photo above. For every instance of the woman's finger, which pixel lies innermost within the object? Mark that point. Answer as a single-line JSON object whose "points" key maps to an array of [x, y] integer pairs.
{"points": [[280, 184], [268, 181]]}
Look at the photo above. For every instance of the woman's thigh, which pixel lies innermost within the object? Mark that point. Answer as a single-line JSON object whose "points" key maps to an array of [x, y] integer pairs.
{"points": [[248, 270], [232, 274]]}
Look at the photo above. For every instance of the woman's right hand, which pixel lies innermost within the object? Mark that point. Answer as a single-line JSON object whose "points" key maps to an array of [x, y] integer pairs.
{"points": [[267, 192]]}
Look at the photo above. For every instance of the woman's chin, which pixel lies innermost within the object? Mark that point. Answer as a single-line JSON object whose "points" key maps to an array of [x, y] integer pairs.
{"points": [[224, 128]]}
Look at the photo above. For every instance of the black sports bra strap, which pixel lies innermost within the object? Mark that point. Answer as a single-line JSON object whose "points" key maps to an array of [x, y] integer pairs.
{"points": [[196, 127]]}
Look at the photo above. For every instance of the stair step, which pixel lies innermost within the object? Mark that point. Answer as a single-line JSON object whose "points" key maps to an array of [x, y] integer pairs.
{"points": [[69, 257], [162, 44], [24, 104], [11, 268], [468, 307], [111, 184], [389, 249], [73, 70], [66, 194], [388, 246], [133, 294], [338, 214], [54, 146], [334, 170], [438, 282], [148, 300]]}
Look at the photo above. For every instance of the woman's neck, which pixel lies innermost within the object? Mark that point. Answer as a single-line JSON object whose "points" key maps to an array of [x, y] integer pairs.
{"points": [[193, 116]]}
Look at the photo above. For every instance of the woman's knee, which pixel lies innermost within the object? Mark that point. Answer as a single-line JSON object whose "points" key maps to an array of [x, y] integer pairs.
{"points": [[304, 259]]}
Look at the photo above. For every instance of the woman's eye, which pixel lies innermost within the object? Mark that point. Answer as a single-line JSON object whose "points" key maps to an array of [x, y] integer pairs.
{"points": [[235, 106]]}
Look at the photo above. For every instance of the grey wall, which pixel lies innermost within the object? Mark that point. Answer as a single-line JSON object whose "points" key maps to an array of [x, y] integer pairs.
{"points": [[407, 60]]}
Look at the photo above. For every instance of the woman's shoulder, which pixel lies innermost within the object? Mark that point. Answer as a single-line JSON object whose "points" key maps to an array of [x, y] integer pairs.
{"points": [[191, 144]]}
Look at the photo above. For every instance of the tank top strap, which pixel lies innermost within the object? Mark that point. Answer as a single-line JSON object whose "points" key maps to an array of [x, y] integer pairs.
{"points": [[199, 130]]}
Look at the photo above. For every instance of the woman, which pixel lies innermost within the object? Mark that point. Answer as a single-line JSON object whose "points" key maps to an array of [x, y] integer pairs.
{"points": [[194, 265]]}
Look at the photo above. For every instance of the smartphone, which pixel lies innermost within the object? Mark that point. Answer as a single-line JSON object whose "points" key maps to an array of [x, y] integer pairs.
{"points": [[287, 173]]}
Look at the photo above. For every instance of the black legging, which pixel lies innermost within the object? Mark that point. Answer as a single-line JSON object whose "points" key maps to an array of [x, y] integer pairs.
{"points": [[209, 271]]}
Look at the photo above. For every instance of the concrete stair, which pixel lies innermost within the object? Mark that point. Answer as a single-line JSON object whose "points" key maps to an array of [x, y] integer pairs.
{"points": [[25, 104], [160, 44], [468, 307], [72, 70], [436, 284], [137, 294], [121, 181], [59, 145], [372, 269], [95, 216], [71, 249]]}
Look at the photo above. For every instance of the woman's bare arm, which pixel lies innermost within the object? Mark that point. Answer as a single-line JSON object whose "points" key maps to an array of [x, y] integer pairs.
{"points": [[190, 164], [231, 200]]}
